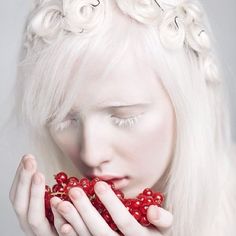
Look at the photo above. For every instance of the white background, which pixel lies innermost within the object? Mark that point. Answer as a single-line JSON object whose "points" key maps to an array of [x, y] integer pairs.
{"points": [[12, 15]]}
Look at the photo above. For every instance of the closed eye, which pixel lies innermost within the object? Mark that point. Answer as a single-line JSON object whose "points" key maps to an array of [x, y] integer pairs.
{"points": [[118, 121], [125, 122], [65, 124]]}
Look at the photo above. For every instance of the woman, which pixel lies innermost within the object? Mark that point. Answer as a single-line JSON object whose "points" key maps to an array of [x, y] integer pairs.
{"points": [[128, 91]]}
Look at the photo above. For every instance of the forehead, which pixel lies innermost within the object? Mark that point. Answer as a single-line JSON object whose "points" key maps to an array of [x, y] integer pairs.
{"points": [[130, 80]]}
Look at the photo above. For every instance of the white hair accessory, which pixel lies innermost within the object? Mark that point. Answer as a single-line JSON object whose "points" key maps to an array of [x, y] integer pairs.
{"points": [[172, 30], [180, 22], [52, 18], [82, 15], [189, 30], [145, 11], [210, 69], [45, 23]]}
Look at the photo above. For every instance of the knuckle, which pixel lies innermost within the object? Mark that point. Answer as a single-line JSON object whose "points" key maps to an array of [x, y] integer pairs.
{"points": [[69, 232], [34, 224], [19, 210]]}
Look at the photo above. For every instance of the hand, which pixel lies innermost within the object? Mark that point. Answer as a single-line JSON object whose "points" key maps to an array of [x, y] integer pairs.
{"points": [[27, 198], [84, 220]]}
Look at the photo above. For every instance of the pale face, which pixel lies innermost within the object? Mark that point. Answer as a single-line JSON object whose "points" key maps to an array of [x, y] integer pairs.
{"points": [[123, 126]]}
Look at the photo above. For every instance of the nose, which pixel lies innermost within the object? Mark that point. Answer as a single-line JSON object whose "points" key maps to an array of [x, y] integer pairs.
{"points": [[94, 145]]}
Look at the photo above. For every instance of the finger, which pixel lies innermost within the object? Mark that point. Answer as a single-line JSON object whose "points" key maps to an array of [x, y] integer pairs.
{"points": [[67, 230], [36, 211], [126, 223], [73, 217], [91, 217], [160, 218], [61, 225], [58, 219], [22, 193], [17, 176]]}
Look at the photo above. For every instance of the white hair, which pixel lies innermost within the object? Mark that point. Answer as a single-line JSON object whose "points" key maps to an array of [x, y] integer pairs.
{"points": [[174, 38]]}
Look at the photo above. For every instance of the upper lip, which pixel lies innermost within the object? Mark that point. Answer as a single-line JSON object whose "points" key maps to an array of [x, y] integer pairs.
{"points": [[106, 177]]}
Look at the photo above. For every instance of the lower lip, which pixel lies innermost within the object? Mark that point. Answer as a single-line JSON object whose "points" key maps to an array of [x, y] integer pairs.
{"points": [[120, 183]]}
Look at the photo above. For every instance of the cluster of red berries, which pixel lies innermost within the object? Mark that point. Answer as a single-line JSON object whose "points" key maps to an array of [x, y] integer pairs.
{"points": [[137, 206]]}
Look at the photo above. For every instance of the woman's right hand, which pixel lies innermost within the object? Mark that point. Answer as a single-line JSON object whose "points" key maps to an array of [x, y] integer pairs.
{"points": [[27, 198]]}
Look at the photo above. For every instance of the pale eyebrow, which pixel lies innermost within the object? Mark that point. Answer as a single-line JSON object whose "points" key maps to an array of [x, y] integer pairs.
{"points": [[136, 105], [75, 111]]}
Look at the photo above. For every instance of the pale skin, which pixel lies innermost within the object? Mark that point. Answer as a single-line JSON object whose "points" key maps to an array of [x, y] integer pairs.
{"points": [[120, 156]]}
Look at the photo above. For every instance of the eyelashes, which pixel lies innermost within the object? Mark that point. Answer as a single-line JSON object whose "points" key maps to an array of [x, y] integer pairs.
{"points": [[125, 122], [65, 124], [119, 122]]}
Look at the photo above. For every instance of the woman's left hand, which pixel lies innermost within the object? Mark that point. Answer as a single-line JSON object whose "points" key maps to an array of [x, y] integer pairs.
{"points": [[84, 220]]}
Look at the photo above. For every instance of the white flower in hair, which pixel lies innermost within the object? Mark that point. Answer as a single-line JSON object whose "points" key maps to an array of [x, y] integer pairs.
{"points": [[189, 12], [82, 15], [144, 11], [197, 38], [45, 22], [212, 74], [192, 16], [172, 30]]}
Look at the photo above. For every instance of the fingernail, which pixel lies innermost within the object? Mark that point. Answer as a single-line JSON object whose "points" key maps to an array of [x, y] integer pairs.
{"points": [[65, 229], [75, 193], [155, 212], [37, 179], [54, 201], [100, 187], [26, 156], [28, 164]]}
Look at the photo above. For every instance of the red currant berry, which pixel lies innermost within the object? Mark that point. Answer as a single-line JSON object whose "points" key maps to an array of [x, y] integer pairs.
{"points": [[143, 209], [136, 214], [141, 197], [61, 178], [73, 180], [106, 216], [148, 201], [159, 197], [57, 188], [148, 192], [136, 203], [144, 221], [84, 181], [119, 194]]}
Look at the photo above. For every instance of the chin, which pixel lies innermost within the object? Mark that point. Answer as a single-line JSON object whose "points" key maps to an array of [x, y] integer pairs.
{"points": [[131, 192]]}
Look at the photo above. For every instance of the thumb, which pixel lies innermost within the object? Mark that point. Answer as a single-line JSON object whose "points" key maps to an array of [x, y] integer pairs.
{"points": [[159, 217]]}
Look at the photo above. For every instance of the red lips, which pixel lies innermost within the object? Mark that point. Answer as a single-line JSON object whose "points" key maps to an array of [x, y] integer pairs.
{"points": [[107, 177], [118, 181]]}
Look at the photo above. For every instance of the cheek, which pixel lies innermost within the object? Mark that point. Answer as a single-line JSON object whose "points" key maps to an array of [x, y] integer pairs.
{"points": [[67, 144], [152, 147]]}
